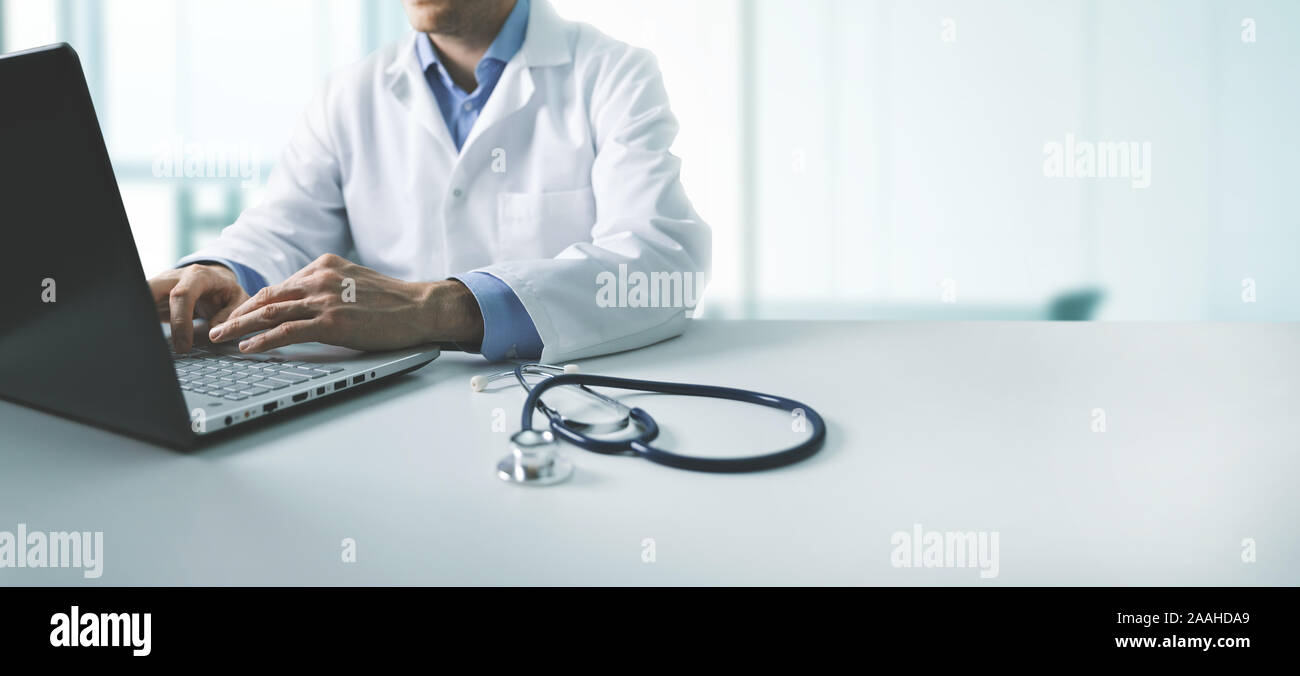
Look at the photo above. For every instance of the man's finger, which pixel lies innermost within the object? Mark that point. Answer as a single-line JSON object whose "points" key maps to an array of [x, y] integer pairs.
{"points": [[265, 317], [161, 288], [290, 289], [288, 333], [181, 305], [223, 314]]}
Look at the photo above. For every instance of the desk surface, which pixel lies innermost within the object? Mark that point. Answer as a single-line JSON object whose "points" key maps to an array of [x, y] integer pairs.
{"points": [[961, 427]]}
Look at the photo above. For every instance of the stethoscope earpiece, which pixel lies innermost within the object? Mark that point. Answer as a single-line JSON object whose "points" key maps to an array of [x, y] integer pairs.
{"points": [[480, 383]]}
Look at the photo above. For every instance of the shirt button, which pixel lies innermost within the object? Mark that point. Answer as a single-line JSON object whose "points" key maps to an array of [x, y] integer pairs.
{"points": [[457, 192], [469, 105]]}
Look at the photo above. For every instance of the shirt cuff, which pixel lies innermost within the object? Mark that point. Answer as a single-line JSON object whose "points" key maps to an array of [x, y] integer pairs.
{"points": [[249, 279], [508, 330]]}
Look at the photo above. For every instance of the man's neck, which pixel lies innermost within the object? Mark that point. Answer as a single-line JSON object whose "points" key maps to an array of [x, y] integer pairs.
{"points": [[460, 54]]}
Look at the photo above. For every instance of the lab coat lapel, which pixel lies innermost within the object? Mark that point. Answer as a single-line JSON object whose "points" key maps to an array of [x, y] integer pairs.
{"points": [[512, 92], [546, 43], [406, 82]]}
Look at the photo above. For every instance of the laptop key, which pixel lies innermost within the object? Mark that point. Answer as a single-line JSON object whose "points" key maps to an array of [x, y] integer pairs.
{"points": [[254, 391], [234, 396], [289, 378], [301, 373]]}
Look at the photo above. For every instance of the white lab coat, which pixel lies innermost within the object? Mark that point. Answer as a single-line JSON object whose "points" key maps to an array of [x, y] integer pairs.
{"points": [[567, 173]]}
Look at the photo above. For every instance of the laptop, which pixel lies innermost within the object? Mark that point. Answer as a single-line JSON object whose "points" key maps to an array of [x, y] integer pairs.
{"points": [[79, 332]]}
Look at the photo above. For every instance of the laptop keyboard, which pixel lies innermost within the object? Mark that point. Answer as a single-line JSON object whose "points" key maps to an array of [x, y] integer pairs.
{"points": [[238, 378]]}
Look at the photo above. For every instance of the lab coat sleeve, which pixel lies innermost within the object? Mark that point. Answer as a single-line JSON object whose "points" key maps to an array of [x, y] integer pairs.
{"points": [[645, 225], [302, 216]]}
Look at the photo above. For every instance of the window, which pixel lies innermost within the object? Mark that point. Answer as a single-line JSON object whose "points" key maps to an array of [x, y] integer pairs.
{"points": [[854, 159]]}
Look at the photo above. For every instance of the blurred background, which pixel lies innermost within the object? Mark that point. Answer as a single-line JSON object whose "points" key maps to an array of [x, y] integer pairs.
{"points": [[856, 158]]}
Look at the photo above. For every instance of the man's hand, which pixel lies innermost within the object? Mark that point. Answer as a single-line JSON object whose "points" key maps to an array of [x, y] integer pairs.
{"points": [[341, 303], [195, 291]]}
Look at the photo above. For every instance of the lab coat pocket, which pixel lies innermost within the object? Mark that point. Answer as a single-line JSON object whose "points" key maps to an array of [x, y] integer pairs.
{"points": [[533, 225]]}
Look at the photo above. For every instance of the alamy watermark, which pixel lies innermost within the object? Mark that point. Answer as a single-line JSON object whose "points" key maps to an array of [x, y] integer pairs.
{"points": [[657, 289], [920, 548], [179, 159], [75, 629], [1101, 159], [53, 549]]}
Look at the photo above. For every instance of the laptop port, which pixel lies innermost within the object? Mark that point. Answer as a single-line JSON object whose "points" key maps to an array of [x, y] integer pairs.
{"points": [[268, 408], [358, 380], [320, 391], [341, 384], [301, 396]]}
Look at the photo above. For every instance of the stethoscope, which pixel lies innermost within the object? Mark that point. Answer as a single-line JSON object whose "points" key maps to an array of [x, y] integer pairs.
{"points": [[534, 459]]}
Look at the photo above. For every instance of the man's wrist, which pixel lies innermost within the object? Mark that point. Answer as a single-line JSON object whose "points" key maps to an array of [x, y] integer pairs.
{"points": [[453, 313]]}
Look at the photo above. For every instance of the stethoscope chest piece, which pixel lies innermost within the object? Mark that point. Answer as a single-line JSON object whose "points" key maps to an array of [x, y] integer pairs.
{"points": [[534, 460]]}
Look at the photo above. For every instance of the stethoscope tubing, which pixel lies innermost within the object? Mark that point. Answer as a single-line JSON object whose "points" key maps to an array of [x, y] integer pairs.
{"points": [[650, 430]]}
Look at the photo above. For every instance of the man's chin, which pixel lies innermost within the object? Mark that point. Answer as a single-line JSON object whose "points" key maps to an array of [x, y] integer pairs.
{"points": [[427, 17], [425, 22]]}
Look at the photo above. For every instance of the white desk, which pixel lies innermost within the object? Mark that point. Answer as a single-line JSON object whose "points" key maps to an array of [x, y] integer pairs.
{"points": [[956, 426]]}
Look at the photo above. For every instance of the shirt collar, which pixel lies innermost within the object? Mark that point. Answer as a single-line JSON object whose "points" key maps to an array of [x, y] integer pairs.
{"points": [[503, 47]]}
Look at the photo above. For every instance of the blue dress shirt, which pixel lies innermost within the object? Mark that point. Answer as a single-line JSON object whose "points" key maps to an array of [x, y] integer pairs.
{"points": [[461, 109], [508, 330]]}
